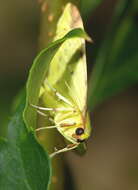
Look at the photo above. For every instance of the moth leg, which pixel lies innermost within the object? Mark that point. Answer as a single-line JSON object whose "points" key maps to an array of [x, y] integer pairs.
{"points": [[45, 115], [67, 148], [41, 113], [59, 95], [52, 109], [52, 127], [48, 127]]}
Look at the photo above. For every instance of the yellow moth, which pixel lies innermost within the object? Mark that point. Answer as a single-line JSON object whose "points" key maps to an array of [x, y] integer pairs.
{"points": [[64, 90]]}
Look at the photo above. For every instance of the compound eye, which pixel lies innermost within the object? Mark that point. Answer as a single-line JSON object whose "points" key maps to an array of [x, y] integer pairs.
{"points": [[79, 131]]}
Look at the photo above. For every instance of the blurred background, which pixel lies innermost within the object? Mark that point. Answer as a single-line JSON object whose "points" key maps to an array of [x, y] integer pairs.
{"points": [[111, 159]]}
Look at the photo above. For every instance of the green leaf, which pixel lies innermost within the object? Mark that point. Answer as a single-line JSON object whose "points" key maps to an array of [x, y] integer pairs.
{"points": [[38, 73], [117, 63], [24, 164]]}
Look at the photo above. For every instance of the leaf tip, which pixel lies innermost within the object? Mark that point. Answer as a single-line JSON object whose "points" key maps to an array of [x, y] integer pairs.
{"points": [[89, 39]]}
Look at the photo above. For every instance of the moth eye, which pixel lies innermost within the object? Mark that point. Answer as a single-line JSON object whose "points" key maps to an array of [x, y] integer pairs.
{"points": [[79, 131]]}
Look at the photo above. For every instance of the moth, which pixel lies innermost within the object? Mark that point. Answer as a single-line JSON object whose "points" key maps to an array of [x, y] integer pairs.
{"points": [[69, 119], [64, 90]]}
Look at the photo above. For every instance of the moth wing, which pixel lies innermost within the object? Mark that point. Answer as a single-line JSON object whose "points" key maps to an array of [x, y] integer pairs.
{"points": [[78, 83], [67, 71]]}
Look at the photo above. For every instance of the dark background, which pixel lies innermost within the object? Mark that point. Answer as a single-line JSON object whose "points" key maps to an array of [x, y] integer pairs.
{"points": [[111, 160]]}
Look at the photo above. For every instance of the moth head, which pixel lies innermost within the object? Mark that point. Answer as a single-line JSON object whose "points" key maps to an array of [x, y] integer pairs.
{"points": [[80, 135]]}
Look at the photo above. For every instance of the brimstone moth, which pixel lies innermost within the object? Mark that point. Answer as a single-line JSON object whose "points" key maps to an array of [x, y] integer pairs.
{"points": [[64, 90]]}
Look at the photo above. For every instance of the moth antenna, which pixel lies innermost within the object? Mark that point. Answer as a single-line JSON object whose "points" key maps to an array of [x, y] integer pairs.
{"points": [[66, 123]]}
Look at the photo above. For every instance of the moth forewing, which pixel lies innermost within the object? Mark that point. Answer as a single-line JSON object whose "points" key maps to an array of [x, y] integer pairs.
{"points": [[79, 79]]}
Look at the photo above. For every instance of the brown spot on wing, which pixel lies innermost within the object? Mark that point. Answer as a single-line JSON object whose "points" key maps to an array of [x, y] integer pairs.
{"points": [[76, 18]]}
